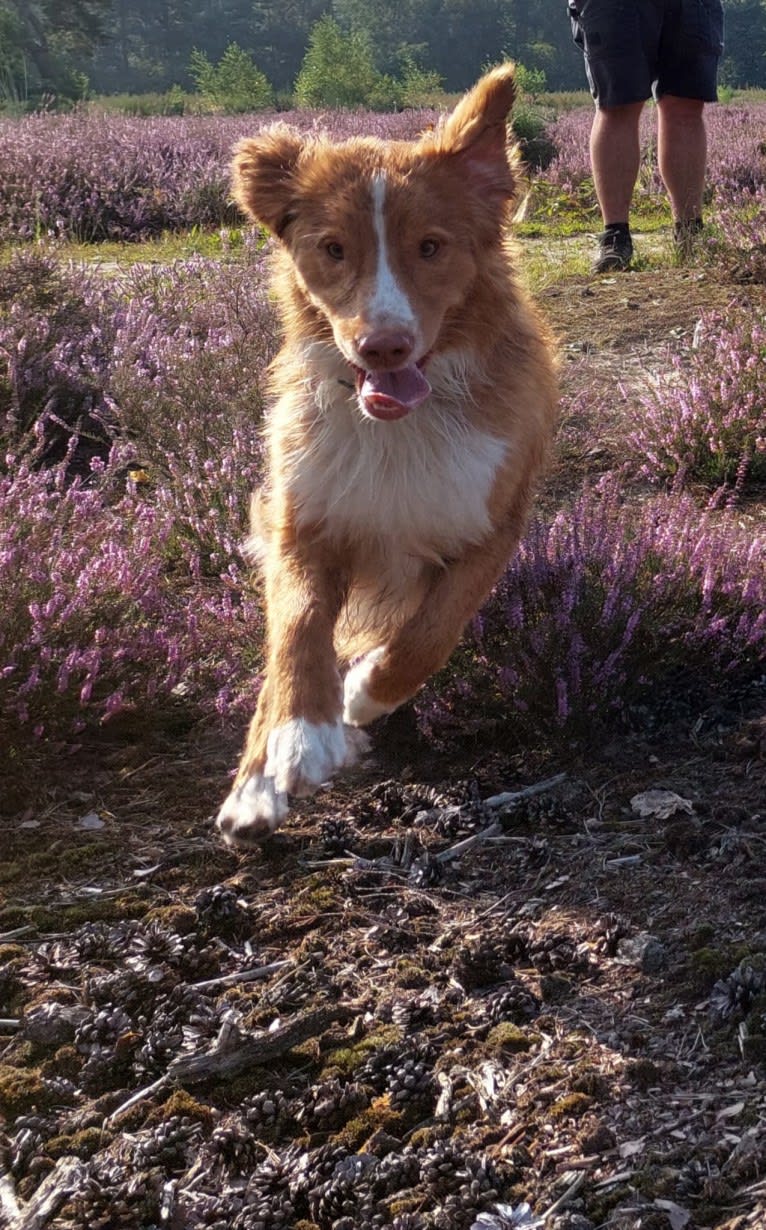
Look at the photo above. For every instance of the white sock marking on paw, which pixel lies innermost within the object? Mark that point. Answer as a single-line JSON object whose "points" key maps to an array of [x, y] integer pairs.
{"points": [[300, 755], [253, 810], [359, 709]]}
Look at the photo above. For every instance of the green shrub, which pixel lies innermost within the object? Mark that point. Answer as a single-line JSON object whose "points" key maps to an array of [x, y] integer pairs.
{"points": [[338, 70], [530, 81], [233, 84], [419, 87]]}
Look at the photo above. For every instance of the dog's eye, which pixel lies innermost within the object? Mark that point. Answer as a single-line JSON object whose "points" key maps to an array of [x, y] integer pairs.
{"points": [[334, 250], [429, 248]]}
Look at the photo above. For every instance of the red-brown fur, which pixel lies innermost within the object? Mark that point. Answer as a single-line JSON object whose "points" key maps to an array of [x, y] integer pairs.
{"points": [[349, 575]]}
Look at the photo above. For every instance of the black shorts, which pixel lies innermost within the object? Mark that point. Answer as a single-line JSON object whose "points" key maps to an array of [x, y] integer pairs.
{"points": [[637, 48]]}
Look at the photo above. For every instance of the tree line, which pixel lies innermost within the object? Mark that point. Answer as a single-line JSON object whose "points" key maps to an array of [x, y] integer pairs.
{"points": [[70, 48]]}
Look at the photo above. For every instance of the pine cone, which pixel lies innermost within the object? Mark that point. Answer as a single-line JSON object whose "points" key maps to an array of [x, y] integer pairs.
{"points": [[512, 1002]]}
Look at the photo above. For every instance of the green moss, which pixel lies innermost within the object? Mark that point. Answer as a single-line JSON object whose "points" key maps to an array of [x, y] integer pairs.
{"points": [[80, 1144], [572, 1048], [344, 1060], [702, 935], [424, 1137], [22, 1091], [317, 896], [178, 918], [255, 1081], [12, 956], [571, 1106], [600, 1205], [183, 1104], [409, 975], [405, 1204], [67, 1062], [12, 916], [706, 965], [30, 1182], [61, 857], [644, 1074], [379, 1117], [69, 917], [591, 1082], [509, 1037], [655, 1179]]}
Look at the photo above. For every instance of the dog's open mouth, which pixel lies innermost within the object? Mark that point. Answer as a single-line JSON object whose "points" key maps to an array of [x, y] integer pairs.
{"points": [[392, 395]]}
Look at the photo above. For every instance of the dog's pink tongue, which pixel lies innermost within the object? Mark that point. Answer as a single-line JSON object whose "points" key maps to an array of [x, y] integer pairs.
{"points": [[391, 395]]}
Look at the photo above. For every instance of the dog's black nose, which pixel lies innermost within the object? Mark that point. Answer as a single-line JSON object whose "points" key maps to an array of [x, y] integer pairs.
{"points": [[385, 348]]}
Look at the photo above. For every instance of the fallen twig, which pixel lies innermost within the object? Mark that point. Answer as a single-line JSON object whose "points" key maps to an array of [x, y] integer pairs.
{"points": [[9, 1205], [461, 847], [139, 1096], [234, 1052], [246, 975], [512, 798], [566, 1196], [7, 936], [53, 1192]]}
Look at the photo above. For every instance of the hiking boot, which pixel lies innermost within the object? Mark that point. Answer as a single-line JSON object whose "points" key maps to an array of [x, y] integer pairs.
{"points": [[615, 251], [685, 237]]}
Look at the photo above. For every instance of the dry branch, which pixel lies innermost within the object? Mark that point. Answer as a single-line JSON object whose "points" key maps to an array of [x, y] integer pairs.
{"points": [[246, 975], [512, 798], [234, 1052], [53, 1192]]}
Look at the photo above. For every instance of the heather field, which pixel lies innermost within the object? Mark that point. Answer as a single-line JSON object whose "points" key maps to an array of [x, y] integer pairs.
{"points": [[419, 1007]]}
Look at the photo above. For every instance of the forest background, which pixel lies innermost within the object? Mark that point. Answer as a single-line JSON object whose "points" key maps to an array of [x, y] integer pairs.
{"points": [[55, 52]]}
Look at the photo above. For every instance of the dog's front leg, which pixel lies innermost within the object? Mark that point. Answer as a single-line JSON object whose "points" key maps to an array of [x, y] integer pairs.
{"points": [[296, 739], [387, 676]]}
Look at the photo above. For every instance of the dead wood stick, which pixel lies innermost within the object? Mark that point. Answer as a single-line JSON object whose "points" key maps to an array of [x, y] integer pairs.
{"points": [[139, 1096], [234, 1052], [245, 975], [461, 847], [53, 1192], [512, 798], [566, 1196], [10, 1209], [16, 934]]}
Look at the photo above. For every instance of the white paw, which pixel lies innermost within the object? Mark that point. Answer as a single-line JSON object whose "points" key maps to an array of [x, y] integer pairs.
{"points": [[300, 755], [359, 709], [252, 811]]}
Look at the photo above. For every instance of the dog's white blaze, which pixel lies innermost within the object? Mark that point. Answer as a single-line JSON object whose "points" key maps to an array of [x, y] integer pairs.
{"points": [[389, 304]]}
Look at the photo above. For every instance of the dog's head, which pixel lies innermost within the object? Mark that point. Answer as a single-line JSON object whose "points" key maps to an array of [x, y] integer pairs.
{"points": [[387, 239]]}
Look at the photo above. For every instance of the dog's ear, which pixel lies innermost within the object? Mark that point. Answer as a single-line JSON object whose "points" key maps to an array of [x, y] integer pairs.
{"points": [[476, 132], [263, 176]]}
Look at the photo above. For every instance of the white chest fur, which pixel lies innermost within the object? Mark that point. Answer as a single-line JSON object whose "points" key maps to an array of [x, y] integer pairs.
{"points": [[420, 484]]}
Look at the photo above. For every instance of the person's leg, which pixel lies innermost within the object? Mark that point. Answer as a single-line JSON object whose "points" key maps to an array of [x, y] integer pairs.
{"points": [[615, 152], [682, 154], [619, 42]]}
